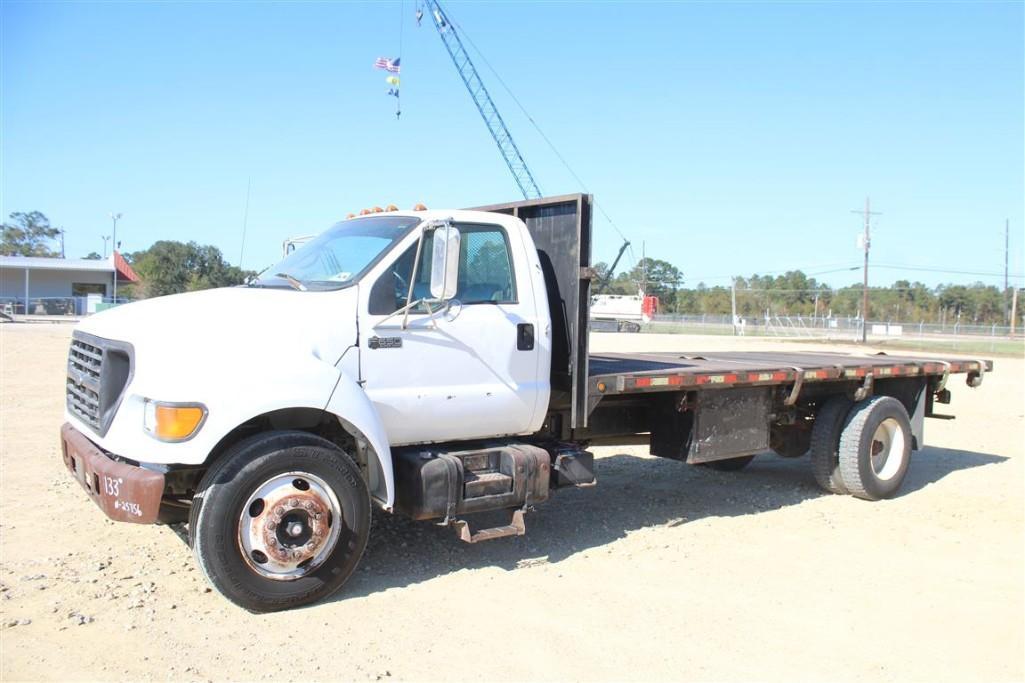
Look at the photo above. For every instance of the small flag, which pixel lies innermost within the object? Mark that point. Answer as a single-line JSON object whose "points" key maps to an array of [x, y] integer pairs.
{"points": [[387, 64]]}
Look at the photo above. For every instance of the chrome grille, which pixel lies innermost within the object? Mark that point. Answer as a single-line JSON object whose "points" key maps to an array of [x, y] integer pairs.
{"points": [[85, 367]]}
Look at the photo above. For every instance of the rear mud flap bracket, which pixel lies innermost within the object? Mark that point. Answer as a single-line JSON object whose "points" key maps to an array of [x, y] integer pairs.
{"points": [[795, 392]]}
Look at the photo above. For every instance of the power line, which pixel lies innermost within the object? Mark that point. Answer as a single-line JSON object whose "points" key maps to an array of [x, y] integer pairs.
{"points": [[944, 270], [842, 267], [540, 132]]}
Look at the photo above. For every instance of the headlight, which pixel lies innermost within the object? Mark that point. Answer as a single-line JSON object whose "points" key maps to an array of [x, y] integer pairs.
{"points": [[172, 421]]}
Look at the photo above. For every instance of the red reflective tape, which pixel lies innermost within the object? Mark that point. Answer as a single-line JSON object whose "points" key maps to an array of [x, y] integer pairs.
{"points": [[730, 379], [779, 376], [676, 380], [642, 382], [701, 379]]}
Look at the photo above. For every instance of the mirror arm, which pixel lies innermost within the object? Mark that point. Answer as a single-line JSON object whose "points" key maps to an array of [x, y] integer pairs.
{"points": [[412, 278]]}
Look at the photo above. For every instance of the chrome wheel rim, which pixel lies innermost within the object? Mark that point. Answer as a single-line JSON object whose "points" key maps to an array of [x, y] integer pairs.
{"points": [[289, 526], [887, 449]]}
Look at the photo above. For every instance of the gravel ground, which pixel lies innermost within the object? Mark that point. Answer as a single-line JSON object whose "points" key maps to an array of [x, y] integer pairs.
{"points": [[662, 571]]}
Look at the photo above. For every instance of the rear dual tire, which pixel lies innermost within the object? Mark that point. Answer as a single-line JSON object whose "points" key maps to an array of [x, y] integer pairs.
{"points": [[875, 448], [863, 448], [825, 443]]}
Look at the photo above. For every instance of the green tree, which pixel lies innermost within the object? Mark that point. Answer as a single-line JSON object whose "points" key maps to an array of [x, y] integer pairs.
{"points": [[170, 267], [93, 256], [28, 234], [659, 278]]}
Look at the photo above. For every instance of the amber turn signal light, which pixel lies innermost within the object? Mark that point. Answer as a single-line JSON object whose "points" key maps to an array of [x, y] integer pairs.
{"points": [[173, 421]]}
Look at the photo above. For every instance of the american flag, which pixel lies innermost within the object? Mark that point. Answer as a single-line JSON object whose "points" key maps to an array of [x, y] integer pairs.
{"points": [[388, 64]]}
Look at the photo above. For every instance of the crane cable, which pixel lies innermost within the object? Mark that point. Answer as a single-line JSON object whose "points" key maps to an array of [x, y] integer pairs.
{"points": [[530, 118]]}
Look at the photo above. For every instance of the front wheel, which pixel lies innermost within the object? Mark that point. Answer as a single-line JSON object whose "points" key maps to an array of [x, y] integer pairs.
{"points": [[280, 521], [875, 448]]}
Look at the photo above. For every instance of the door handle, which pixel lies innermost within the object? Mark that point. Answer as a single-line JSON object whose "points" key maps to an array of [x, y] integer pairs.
{"points": [[525, 337]]}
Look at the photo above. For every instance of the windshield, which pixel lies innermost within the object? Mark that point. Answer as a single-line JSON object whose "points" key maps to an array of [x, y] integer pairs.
{"points": [[339, 256]]}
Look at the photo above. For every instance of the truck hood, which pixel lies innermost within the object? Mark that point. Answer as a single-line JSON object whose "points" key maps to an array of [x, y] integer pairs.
{"points": [[215, 328]]}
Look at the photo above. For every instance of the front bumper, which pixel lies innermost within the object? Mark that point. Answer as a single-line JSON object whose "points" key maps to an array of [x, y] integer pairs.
{"points": [[125, 493]]}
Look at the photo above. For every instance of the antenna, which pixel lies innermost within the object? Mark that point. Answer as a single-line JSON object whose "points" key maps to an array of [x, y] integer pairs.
{"points": [[245, 222]]}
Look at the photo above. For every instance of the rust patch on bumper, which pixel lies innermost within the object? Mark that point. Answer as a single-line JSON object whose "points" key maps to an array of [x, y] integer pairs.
{"points": [[125, 493]]}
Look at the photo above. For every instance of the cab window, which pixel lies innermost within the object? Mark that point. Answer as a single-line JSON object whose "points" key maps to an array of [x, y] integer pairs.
{"points": [[485, 266], [485, 272]]}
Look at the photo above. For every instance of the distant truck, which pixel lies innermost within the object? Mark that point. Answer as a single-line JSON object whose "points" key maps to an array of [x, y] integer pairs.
{"points": [[434, 364], [622, 312]]}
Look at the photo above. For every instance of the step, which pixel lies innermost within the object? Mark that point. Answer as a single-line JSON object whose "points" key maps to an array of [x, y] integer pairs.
{"points": [[516, 527], [478, 484]]}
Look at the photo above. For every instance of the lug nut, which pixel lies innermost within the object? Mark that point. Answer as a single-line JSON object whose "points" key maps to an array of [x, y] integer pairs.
{"points": [[279, 511], [294, 503], [270, 525]]}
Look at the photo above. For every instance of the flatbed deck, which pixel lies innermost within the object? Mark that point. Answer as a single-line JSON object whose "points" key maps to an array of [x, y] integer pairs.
{"points": [[618, 373]]}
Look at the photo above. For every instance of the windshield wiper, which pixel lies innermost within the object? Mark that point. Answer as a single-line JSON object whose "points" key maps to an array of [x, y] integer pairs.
{"points": [[294, 281]]}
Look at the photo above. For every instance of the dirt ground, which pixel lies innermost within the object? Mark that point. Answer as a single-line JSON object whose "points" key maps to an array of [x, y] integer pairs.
{"points": [[661, 572]]}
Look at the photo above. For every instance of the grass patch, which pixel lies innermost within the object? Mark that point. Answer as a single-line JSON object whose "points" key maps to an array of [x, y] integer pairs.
{"points": [[995, 346]]}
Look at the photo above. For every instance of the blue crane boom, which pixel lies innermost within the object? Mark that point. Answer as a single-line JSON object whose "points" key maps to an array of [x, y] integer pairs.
{"points": [[485, 105]]}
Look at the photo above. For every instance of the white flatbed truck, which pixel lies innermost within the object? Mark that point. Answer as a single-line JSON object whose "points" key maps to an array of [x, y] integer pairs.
{"points": [[435, 364]]}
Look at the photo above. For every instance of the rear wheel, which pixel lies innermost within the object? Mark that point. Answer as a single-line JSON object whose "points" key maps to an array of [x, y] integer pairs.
{"points": [[875, 448], [730, 464], [825, 443], [280, 521]]}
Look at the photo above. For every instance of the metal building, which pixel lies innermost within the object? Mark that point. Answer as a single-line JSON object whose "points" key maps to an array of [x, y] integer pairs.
{"points": [[57, 286]]}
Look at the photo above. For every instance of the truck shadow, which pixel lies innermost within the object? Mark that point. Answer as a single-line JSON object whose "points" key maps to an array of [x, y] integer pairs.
{"points": [[633, 493]]}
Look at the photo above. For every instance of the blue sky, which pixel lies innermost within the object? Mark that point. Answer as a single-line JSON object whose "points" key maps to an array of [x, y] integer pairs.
{"points": [[730, 138]]}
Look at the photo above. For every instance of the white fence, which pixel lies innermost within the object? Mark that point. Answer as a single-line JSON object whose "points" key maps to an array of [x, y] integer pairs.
{"points": [[950, 335], [70, 307]]}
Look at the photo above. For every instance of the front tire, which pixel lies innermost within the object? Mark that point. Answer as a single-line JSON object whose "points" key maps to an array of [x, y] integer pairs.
{"points": [[280, 521], [875, 448]]}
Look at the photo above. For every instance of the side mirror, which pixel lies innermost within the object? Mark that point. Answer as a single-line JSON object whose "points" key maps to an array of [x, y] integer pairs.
{"points": [[445, 263]]}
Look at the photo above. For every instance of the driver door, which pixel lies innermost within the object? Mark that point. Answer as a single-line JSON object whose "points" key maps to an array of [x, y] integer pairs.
{"points": [[466, 371]]}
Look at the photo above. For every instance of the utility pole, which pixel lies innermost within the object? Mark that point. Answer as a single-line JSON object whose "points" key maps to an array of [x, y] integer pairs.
{"points": [[644, 270], [867, 212], [733, 303], [104, 238], [62, 231], [114, 238], [1014, 309], [1007, 243]]}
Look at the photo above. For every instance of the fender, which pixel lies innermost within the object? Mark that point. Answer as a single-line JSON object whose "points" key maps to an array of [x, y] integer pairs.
{"points": [[350, 404]]}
